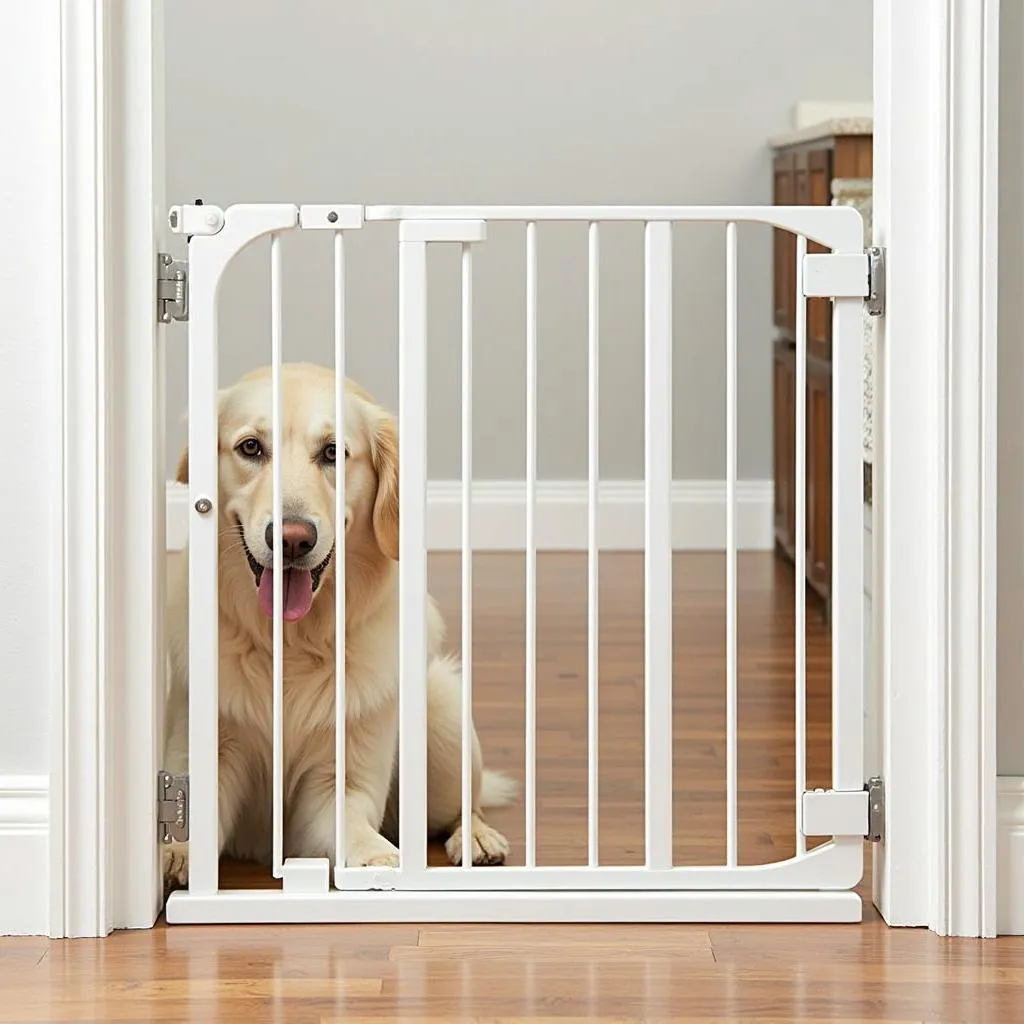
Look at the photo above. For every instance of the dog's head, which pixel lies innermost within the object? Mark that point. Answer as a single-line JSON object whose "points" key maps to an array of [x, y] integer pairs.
{"points": [[311, 453]]}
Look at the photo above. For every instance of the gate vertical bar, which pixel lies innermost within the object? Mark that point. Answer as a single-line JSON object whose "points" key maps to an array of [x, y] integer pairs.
{"points": [[846, 595], [800, 543], [341, 463], [412, 544], [277, 462], [531, 544], [658, 545], [467, 555], [593, 418], [203, 571], [732, 813]]}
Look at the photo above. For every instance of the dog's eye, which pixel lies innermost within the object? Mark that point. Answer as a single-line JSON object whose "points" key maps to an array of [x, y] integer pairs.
{"points": [[329, 455], [251, 448]]}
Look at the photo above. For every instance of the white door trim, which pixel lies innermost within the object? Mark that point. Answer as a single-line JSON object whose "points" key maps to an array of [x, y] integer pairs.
{"points": [[967, 905], [78, 782], [103, 869], [935, 208]]}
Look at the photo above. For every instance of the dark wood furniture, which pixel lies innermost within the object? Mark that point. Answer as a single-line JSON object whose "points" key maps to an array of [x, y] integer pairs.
{"points": [[803, 172]]}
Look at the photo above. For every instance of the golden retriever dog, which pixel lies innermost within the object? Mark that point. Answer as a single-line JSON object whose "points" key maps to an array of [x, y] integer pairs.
{"points": [[310, 448]]}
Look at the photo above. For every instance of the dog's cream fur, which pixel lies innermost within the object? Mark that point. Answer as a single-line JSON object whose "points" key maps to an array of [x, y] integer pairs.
{"points": [[371, 580]]}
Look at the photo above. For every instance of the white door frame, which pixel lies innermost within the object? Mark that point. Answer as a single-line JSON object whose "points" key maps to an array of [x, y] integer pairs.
{"points": [[934, 210], [105, 731]]}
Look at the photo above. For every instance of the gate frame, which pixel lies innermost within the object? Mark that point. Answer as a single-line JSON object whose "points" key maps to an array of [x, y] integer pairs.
{"points": [[814, 886], [936, 94]]}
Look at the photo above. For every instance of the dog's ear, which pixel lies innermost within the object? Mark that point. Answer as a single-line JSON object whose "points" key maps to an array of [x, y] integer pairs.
{"points": [[181, 473], [385, 507]]}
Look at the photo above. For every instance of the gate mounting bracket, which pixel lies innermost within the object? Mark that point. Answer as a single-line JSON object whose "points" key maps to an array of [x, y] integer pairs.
{"points": [[171, 807], [171, 288], [875, 301], [848, 812], [847, 275], [875, 788]]}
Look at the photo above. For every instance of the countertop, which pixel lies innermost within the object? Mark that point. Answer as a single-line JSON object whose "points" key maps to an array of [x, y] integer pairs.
{"points": [[823, 130]]}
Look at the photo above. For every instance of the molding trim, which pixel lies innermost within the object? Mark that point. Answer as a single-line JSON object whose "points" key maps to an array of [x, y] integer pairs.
{"points": [[135, 392], [24, 804], [935, 210], [1010, 856], [24, 842], [967, 833], [103, 858], [499, 524], [79, 881]]}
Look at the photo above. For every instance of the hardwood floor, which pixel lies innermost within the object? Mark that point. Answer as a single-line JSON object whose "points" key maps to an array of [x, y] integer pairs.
{"points": [[766, 759], [452, 974], [362, 974]]}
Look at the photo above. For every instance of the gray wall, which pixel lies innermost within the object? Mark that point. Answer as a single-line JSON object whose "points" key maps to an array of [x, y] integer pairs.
{"points": [[657, 101], [1010, 597]]}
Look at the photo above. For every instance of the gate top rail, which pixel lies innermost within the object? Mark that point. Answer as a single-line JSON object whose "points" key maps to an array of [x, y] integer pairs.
{"points": [[841, 228]]}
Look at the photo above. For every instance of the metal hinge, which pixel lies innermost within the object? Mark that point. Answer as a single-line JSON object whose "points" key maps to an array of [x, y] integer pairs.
{"points": [[875, 788], [171, 288], [172, 807], [875, 301]]}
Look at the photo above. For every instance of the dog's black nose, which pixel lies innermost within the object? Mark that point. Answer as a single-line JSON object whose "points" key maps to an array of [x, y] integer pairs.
{"points": [[299, 536]]}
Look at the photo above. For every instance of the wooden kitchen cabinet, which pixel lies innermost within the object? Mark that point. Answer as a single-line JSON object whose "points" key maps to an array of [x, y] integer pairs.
{"points": [[805, 165], [784, 194], [784, 366], [819, 478]]}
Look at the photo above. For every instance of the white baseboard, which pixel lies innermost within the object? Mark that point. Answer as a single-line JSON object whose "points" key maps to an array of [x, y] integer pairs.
{"points": [[499, 515], [24, 855], [1010, 856]]}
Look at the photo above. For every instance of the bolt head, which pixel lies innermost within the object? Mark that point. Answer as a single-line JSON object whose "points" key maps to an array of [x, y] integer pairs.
{"points": [[204, 506], [211, 219], [332, 217]]}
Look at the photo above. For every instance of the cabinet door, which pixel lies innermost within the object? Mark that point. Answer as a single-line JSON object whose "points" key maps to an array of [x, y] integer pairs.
{"points": [[819, 476], [784, 445], [819, 311], [784, 246]]}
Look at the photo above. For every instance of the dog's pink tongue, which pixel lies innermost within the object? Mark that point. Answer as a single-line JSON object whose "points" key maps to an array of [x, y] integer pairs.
{"points": [[296, 593]]}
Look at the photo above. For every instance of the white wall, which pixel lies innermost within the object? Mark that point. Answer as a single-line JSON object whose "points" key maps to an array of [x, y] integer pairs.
{"points": [[30, 362], [659, 101], [30, 458], [1010, 634]]}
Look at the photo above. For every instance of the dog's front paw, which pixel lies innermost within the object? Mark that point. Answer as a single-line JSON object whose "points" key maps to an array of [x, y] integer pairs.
{"points": [[371, 851], [175, 860], [489, 846]]}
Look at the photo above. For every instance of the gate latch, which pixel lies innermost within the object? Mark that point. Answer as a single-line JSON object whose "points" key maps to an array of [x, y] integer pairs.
{"points": [[171, 288], [172, 807]]}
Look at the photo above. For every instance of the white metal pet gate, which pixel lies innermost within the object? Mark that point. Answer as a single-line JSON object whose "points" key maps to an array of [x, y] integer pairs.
{"points": [[814, 885]]}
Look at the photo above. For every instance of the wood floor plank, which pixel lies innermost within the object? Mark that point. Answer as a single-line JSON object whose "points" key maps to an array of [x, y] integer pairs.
{"points": [[643, 940]]}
